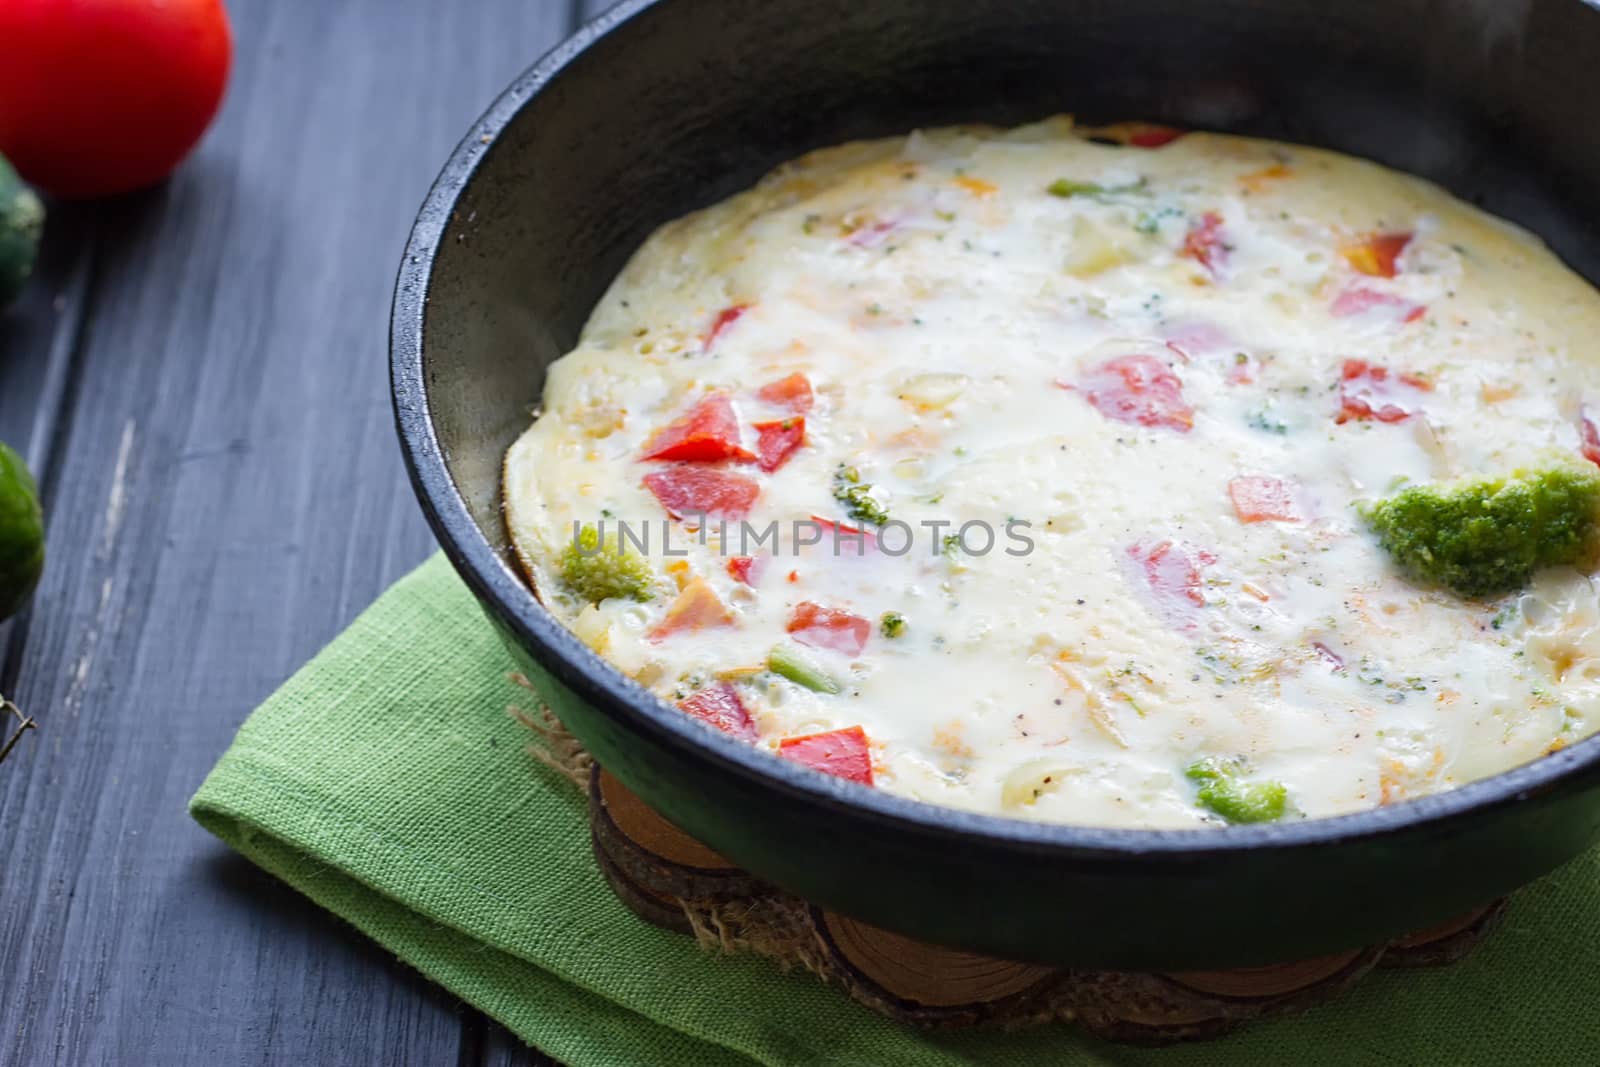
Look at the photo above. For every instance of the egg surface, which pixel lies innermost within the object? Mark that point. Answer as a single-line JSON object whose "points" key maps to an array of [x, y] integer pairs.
{"points": [[1027, 471]]}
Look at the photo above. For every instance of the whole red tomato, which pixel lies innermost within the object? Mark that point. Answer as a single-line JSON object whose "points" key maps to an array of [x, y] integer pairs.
{"points": [[105, 96]]}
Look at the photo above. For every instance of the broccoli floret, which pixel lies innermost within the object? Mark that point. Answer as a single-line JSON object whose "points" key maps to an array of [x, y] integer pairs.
{"points": [[857, 498], [599, 570], [1223, 792], [1486, 537], [893, 624]]}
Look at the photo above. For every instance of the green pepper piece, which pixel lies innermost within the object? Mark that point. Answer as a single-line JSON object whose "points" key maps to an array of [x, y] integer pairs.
{"points": [[790, 663], [1068, 187], [1065, 187], [1223, 793]]}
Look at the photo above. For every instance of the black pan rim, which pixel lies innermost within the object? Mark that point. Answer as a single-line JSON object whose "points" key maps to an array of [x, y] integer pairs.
{"points": [[592, 679]]}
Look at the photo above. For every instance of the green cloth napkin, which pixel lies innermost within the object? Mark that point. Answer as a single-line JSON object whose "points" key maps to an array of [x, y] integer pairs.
{"points": [[386, 782]]}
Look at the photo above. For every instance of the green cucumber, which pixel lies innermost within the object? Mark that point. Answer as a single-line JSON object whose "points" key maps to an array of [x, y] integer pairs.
{"points": [[21, 534], [21, 223]]}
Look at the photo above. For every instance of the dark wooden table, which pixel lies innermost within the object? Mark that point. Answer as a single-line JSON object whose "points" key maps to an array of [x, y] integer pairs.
{"points": [[198, 377]]}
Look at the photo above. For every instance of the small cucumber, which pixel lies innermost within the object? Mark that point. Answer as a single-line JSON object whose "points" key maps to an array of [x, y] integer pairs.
{"points": [[21, 223], [21, 534]]}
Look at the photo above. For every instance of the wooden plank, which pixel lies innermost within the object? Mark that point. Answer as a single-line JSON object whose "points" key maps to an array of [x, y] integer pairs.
{"points": [[38, 335], [38, 342], [502, 1048], [226, 496]]}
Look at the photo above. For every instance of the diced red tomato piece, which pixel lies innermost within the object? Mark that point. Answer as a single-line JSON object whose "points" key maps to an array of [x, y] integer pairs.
{"points": [[1332, 658], [1368, 391], [719, 325], [1143, 136], [1377, 254], [777, 441], [820, 627], [872, 234], [1197, 338], [792, 393], [1205, 245], [840, 536], [1138, 389], [1258, 498], [706, 433], [1173, 568], [841, 753], [1589, 435], [1171, 571], [1358, 300], [687, 490], [697, 608], [747, 569], [720, 706], [1242, 368]]}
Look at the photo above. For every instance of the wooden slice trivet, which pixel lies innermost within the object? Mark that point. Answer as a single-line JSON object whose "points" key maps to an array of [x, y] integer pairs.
{"points": [[672, 880], [655, 854], [1447, 942], [651, 907], [924, 983]]}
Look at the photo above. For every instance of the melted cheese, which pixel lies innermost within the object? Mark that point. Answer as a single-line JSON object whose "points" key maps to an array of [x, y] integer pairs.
{"points": [[1104, 366]]}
